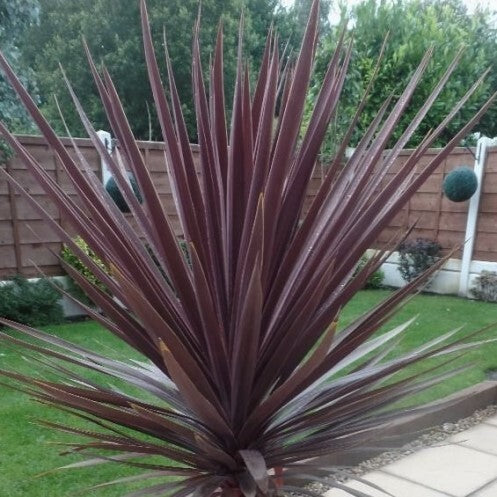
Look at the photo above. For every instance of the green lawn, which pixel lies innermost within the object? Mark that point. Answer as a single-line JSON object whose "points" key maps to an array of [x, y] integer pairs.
{"points": [[25, 448]]}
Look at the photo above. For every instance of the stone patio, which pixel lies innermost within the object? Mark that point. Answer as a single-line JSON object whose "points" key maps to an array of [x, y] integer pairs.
{"points": [[465, 465]]}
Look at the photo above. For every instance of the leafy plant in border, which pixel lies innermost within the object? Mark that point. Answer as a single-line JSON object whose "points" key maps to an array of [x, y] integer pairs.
{"points": [[485, 286], [245, 381], [73, 260], [416, 256], [375, 280]]}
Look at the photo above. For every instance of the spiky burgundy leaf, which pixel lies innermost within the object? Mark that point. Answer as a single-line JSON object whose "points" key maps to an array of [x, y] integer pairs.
{"points": [[245, 381]]}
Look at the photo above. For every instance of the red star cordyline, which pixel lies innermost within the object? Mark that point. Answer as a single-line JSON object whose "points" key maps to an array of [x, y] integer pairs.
{"points": [[246, 383]]}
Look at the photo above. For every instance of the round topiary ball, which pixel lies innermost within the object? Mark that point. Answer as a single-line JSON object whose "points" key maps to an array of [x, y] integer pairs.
{"points": [[117, 196], [460, 184]]}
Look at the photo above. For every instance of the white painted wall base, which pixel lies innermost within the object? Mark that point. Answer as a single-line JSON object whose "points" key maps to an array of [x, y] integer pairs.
{"points": [[71, 309], [446, 281]]}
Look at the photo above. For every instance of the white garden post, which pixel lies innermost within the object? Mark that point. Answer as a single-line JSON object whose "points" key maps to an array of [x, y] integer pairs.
{"points": [[472, 220], [106, 139]]}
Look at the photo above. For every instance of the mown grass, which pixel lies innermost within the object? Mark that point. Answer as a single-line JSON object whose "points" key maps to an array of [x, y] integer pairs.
{"points": [[25, 448]]}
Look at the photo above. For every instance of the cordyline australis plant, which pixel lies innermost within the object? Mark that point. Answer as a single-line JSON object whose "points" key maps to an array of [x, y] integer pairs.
{"points": [[245, 380]]}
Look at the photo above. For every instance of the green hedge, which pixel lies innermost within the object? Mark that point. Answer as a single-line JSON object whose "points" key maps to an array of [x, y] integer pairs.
{"points": [[34, 303]]}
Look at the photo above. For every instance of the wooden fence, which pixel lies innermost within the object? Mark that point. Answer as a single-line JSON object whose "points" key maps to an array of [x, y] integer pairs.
{"points": [[25, 237], [445, 221], [26, 240]]}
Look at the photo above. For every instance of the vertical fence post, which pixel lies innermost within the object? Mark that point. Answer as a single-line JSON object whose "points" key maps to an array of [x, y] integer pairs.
{"points": [[472, 220], [15, 222], [106, 139]]}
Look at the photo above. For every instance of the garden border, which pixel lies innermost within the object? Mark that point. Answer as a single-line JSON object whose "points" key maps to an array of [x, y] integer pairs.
{"points": [[459, 405]]}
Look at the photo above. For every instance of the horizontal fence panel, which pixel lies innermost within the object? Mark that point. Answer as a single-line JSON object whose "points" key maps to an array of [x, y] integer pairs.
{"points": [[8, 257], [424, 220], [453, 221], [490, 183], [487, 223], [37, 231], [437, 217], [480, 255], [5, 209], [32, 272], [488, 203], [26, 212], [449, 240], [6, 233], [28, 182], [41, 153], [491, 165], [424, 202], [40, 254], [449, 206], [486, 242]]}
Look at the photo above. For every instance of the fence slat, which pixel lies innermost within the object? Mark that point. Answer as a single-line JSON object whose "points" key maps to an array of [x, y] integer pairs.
{"points": [[439, 217], [15, 223]]}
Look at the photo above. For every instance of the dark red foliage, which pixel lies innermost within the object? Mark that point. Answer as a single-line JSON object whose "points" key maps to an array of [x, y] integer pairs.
{"points": [[251, 383]]}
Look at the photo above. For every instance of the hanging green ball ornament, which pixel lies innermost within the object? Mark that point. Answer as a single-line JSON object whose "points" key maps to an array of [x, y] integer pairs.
{"points": [[117, 196], [460, 184]]}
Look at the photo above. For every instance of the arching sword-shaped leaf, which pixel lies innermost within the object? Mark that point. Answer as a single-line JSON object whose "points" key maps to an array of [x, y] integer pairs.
{"points": [[245, 378]]}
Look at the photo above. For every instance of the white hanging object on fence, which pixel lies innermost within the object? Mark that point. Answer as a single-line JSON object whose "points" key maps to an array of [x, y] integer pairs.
{"points": [[106, 139]]}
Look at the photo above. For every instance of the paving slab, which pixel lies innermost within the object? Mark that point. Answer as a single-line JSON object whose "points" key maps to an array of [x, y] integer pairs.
{"points": [[395, 486], [482, 437], [489, 490], [492, 420], [451, 469]]}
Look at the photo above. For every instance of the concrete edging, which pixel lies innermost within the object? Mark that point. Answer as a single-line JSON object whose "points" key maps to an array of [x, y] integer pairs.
{"points": [[457, 406]]}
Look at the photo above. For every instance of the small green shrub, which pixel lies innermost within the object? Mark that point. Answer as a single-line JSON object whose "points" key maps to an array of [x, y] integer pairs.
{"points": [[416, 256], [72, 259], [117, 196], [34, 303], [486, 286], [375, 281], [460, 184]]}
